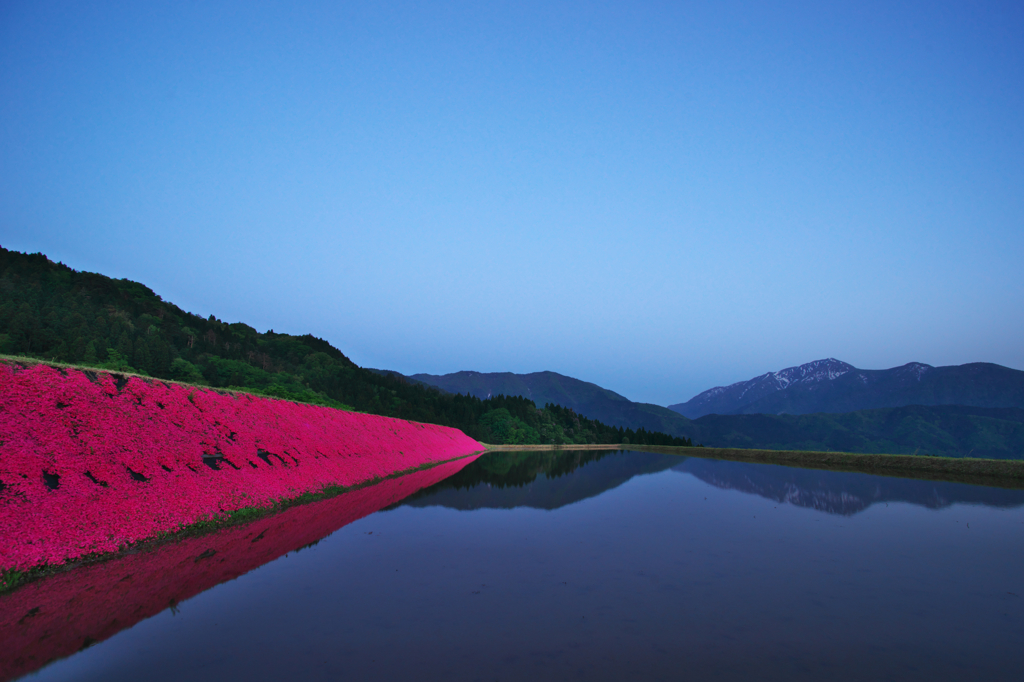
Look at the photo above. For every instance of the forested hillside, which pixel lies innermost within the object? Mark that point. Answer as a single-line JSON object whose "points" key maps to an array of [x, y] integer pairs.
{"points": [[50, 312]]}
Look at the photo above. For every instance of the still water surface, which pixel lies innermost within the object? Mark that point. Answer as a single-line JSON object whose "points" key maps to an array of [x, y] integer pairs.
{"points": [[620, 565]]}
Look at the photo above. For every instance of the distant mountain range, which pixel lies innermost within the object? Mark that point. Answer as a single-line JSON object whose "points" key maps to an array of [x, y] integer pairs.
{"points": [[586, 398], [835, 387], [969, 410]]}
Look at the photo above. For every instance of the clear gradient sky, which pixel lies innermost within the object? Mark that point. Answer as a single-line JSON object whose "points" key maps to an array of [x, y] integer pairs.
{"points": [[656, 197]]}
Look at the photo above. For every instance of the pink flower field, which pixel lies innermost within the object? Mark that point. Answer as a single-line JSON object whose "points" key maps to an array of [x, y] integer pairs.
{"points": [[91, 462]]}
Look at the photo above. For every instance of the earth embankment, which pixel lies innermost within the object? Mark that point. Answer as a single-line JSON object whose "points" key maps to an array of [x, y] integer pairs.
{"points": [[91, 461]]}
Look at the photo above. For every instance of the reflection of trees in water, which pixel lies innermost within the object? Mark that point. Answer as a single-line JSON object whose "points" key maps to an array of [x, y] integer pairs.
{"points": [[508, 469], [539, 479], [842, 493]]}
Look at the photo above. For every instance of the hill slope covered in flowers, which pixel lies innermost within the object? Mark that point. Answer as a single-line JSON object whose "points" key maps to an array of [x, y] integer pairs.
{"points": [[92, 461], [53, 313]]}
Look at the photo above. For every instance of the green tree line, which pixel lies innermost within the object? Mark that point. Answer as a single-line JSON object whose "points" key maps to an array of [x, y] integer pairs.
{"points": [[49, 311]]}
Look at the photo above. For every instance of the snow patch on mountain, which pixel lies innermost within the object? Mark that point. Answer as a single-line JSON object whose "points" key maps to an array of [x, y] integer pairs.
{"points": [[811, 372]]}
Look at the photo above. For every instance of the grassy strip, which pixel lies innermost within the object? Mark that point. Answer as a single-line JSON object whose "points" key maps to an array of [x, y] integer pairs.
{"points": [[10, 580], [1001, 473]]}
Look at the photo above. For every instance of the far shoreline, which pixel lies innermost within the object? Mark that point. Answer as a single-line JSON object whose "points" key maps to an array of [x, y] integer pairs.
{"points": [[1000, 473]]}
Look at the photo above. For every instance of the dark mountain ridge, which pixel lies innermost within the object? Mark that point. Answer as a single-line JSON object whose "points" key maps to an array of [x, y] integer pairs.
{"points": [[832, 386], [583, 397]]}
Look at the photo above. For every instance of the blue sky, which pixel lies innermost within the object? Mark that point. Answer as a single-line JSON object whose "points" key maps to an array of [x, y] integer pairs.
{"points": [[656, 197]]}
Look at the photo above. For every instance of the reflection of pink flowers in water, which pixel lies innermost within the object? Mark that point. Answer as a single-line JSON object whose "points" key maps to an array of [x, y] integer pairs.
{"points": [[88, 465], [57, 616]]}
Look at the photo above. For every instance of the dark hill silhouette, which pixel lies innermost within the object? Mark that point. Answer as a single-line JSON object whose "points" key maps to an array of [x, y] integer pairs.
{"points": [[584, 397]]}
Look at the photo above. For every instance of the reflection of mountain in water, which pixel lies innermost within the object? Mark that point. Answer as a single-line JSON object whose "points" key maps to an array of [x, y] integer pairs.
{"points": [[553, 479], [542, 480], [837, 492]]}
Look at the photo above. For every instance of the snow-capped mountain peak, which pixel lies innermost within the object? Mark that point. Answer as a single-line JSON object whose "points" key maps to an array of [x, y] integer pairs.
{"points": [[758, 387]]}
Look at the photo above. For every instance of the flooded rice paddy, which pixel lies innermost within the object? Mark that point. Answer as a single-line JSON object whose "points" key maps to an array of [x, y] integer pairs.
{"points": [[561, 566]]}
